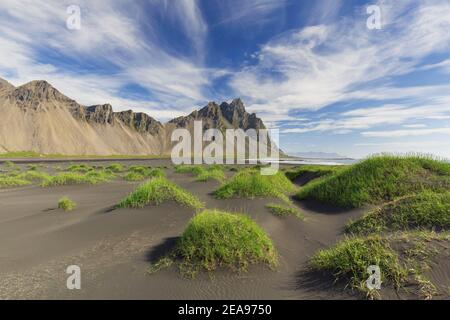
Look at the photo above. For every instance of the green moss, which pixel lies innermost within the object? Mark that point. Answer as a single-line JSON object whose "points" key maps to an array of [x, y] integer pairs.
{"points": [[426, 210], [379, 179], [216, 239], [157, 191], [251, 184]]}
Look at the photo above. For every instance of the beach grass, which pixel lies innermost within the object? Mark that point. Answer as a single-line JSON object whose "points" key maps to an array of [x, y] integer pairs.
{"points": [[426, 210], [215, 239], [157, 191], [379, 179], [251, 184], [66, 204], [284, 211]]}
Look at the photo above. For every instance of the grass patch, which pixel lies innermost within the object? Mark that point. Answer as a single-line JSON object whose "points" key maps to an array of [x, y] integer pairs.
{"points": [[12, 181], [157, 191], [316, 171], [68, 178], [83, 168], [426, 210], [284, 211], [203, 174], [251, 184], [66, 204], [216, 239], [379, 179], [349, 260], [403, 259], [139, 173], [34, 176], [115, 167]]}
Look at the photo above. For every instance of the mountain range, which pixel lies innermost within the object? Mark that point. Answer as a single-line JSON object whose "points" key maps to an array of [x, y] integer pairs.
{"points": [[37, 117]]}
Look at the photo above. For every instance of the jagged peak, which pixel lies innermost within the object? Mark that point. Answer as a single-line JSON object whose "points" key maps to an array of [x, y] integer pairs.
{"points": [[5, 84], [38, 90]]}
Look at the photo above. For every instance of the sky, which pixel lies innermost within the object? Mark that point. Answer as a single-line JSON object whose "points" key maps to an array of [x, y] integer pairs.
{"points": [[312, 69]]}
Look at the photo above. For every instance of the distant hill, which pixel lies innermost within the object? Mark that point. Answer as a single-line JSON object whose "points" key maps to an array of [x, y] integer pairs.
{"points": [[37, 117]]}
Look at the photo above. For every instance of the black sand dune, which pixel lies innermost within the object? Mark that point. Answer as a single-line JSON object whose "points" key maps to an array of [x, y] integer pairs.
{"points": [[115, 247]]}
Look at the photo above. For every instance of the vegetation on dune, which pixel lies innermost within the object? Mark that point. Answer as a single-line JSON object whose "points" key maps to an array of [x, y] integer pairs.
{"points": [[83, 168], [215, 239], [203, 174], [157, 191], [139, 173], [283, 211], [251, 184], [378, 179], [115, 167], [12, 181], [402, 258], [66, 204], [349, 260], [425, 210], [317, 171], [34, 176], [67, 178]]}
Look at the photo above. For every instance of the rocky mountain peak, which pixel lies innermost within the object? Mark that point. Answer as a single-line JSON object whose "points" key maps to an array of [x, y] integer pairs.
{"points": [[139, 121], [37, 92]]}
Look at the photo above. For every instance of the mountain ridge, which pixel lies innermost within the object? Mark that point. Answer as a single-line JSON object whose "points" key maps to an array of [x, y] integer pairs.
{"points": [[38, 117]]}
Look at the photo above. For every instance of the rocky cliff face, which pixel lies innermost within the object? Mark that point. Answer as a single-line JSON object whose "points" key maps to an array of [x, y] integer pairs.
{"points": [[37, 117]]}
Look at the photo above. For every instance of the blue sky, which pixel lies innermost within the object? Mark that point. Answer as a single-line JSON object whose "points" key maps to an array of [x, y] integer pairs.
{"points": [[311, 68]]}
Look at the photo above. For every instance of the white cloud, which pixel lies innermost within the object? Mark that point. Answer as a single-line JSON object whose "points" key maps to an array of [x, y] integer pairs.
{"points": [[320, 65], [406, 133], [110, 35]]}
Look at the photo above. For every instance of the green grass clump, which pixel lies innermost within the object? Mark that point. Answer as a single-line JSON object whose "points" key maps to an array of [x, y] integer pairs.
{"points": [[349, 259], [115, 167], [34, 176], [216, 239], [139, 173], [67, 178], [12, 181], [83, 168], [283, 211], [157, 191], [317, 171], [426, 210], [379, 179], [211, 174], [196, 170], [251, 184], [66, 204]]}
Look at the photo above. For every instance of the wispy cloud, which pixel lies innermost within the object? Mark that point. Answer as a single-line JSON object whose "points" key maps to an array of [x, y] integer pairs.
{"points": [[109, 38], [406, 133], [316, 66]]}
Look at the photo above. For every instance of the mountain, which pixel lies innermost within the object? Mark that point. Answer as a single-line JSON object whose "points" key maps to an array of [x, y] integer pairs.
{"points": [[37, 117]]}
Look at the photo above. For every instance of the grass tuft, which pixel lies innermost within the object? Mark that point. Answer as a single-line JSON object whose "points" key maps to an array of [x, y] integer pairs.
{"points": [[379, 179], [66, 204], [426, 210], [157, 191], [68, 178], [251, 184], [283, 211], [350, 258], [216, 239], [315, 171]]}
